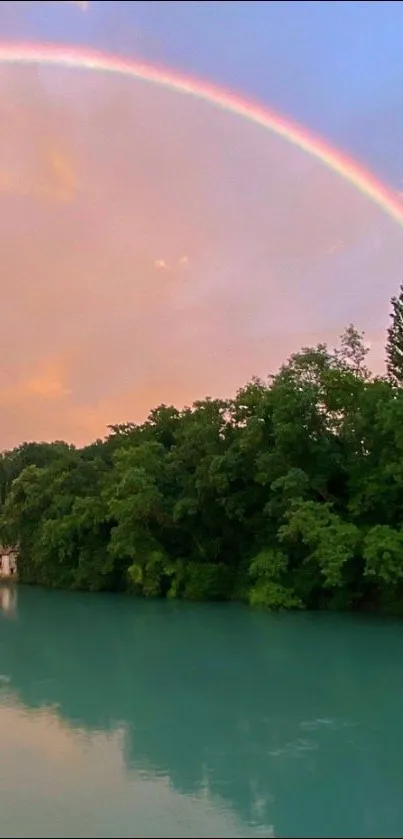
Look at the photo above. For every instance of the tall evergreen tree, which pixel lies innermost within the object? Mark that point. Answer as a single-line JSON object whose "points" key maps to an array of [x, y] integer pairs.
{"points": [[394, 345]]}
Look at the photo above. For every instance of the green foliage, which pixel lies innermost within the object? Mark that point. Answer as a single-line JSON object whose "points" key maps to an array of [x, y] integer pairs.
{"points": [[206, 581], [268, 573], [289, 495], [383, 554], [394, 346], [314, 534], [148, 573]]}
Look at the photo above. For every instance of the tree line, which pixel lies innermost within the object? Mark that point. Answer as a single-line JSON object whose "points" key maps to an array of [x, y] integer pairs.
{"points": [[289, 495]]}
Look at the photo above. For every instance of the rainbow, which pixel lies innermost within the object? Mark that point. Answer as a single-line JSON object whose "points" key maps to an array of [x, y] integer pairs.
{"points": [[56, 56]]}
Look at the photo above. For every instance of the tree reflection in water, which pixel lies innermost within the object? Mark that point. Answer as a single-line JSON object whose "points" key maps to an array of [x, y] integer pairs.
{"points": [[271, 714]]}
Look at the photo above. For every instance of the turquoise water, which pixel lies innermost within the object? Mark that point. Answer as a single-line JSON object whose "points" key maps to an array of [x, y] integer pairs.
{"points": [[152, 719]]}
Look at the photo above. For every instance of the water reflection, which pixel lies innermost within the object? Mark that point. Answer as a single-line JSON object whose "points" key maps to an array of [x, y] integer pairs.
{"points": [[200, 720], [88, 791], [8, 598]]}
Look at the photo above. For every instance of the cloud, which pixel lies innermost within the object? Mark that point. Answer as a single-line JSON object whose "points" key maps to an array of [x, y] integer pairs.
{"points": [[115, 176], [47, 383], [82, 4]]}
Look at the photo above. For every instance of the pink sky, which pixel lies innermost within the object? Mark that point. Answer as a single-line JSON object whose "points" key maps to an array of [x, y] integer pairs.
{"points": [[156, 249]]}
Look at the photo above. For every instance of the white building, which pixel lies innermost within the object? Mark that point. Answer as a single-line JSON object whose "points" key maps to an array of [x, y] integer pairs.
{"points": [[8, 562]]}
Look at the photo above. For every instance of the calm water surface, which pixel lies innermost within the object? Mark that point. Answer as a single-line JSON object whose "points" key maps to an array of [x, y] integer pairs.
{"points": [[123, 718]]}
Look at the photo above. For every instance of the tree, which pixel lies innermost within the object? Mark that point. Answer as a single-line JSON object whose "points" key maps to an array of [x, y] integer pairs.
{"points": [[352, 352], [288, 495], [394, 346]]}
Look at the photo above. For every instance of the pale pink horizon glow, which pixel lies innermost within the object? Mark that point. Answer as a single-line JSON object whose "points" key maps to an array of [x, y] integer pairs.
{"points": [[155, 249]]}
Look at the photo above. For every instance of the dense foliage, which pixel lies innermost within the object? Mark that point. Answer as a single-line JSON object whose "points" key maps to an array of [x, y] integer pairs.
{"points": [[289, 495]]}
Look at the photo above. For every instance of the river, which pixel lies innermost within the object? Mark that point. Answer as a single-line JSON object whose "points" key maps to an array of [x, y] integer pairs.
{"points": [[126, 718]]}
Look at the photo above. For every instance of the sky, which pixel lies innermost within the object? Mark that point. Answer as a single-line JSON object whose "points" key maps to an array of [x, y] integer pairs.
{"points": [[157, 249]]}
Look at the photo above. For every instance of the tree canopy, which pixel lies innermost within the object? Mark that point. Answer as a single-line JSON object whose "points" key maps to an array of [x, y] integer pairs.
{"points": [[289, 495]]}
